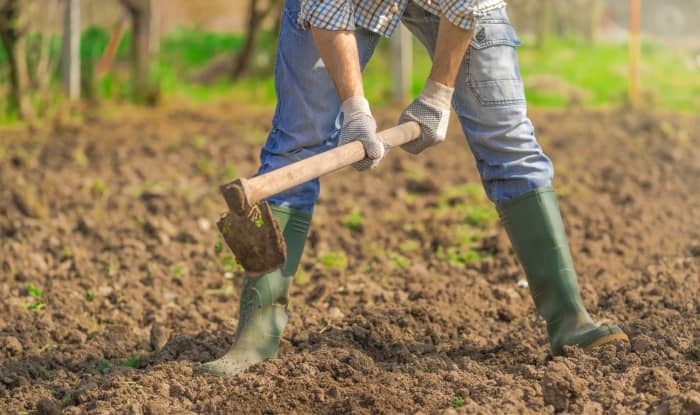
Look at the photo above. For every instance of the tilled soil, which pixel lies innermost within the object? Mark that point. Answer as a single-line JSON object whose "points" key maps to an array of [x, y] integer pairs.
{"points": [[410, 300]]}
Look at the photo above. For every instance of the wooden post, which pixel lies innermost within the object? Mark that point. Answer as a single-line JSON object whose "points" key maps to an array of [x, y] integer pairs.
{"points": [[544, 22], [596, 15], [402, 63], [634, 53], [71, 49]]}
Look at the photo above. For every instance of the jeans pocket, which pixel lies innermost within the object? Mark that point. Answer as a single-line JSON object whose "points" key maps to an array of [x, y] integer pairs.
{"points": [[494, 74]]}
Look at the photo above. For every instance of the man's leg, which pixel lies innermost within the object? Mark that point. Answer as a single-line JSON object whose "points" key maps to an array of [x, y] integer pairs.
{"points": [[305, 123], [490, 102]]}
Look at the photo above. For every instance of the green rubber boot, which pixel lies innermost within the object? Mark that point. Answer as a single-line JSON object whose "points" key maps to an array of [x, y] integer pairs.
{"points": [[263, 307], [536, 231]]}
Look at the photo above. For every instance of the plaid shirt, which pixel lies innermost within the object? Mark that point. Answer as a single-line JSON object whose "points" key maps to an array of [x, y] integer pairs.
{"points": [[383, 16]]}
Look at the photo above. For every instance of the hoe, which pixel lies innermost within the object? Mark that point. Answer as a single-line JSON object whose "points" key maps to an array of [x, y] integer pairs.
{"points": [[250, 230]]}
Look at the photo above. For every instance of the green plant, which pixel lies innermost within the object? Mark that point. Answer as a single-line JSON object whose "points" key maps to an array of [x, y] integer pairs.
{"points": [[218, 247], [199, 142], [230, 172], [98, 187], [103, 367], [354, 220], [409, 245], [457, 402], [67, 252], [400, 261], [89, 296], [481, 216], [457, 256], [205, 166], [177, 270], [35, 306], [334, 260], [132, 362], [34, 291], [229, 263]]}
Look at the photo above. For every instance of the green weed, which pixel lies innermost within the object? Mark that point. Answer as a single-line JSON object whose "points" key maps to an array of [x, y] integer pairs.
{"points": [[34, 291], [35, 306], [353, 221], [457, 402], [89, 296], [400, 261], [177, 270], [230, 172], [481, 216], [67, 252], [218, 247], [205, 166], [103, 367], [457, 256], [334, 260], [408, 246], [98, 187], [132, 362], [229, 263], [199, 142]]}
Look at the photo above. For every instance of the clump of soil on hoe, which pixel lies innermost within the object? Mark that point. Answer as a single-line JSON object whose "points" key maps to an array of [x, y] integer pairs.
{"points": [[113, 285]]}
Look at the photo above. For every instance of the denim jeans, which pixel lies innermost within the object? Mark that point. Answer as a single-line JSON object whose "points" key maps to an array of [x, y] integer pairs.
{"points": [[489, 100]]}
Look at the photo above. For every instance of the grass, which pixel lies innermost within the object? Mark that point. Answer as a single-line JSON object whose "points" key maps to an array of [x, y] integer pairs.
{"points": [[571, 71], [566, 72]]}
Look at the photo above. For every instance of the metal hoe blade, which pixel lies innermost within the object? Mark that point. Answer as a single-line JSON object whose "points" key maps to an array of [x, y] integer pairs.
{"points": [[252, 233]]}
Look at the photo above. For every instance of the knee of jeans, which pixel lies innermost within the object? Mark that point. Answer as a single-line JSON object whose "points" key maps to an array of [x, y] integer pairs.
{"points": [[501, 190]]}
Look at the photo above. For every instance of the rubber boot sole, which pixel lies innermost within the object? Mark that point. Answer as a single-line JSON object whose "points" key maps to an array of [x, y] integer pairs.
{"points": [[606, 340]]}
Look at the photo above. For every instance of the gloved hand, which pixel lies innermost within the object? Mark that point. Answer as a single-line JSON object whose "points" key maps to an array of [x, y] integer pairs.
{"points": [[359, 124], [432, 111]]}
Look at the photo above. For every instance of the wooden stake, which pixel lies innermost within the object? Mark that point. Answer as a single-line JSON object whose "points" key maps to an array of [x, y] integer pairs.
{"points": [[402, 63], [111, 50], [71, 49], [635, 53]]}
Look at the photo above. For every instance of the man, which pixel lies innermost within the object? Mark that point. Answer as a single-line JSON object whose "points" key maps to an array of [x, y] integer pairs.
{"points": [[323, 46]]}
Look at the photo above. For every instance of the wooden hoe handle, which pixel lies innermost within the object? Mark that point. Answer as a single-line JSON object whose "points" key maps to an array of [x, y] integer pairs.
{"points": [[271, 183]]}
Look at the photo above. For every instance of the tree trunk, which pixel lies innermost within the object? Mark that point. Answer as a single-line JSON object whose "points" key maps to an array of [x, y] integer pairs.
{"points": [[141, 12], [255, 20], [12, 30]]}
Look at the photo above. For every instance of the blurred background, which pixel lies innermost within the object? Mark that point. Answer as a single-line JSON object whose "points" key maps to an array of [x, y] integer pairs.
{"points": [[580, 53]]}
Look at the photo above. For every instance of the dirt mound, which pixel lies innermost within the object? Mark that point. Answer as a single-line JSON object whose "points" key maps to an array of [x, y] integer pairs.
{"points": [[113, 287]]}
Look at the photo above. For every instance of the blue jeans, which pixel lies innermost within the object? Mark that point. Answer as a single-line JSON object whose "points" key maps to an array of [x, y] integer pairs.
{"points": [[489, 100]]}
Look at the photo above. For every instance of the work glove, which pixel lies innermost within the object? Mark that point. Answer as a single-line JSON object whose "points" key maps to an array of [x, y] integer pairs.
{"points": [[432, 111], [359, 124]]}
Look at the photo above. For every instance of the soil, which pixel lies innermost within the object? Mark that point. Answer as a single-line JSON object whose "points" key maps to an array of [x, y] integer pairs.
{"points": [[113, 219]]}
